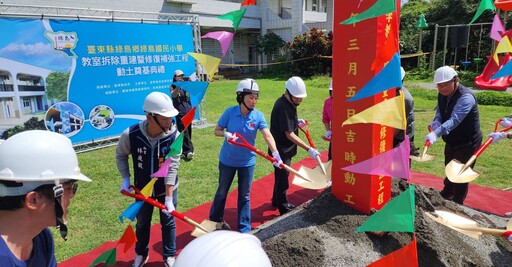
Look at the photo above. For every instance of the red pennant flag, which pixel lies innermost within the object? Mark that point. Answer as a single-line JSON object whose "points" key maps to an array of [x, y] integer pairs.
{"points": [[406, 256], [387, 49], [189, 117], [128, 239], [249, 2]]}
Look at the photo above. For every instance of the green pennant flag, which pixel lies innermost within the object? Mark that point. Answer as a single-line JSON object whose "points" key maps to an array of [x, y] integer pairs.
{"points": [[484, 5], [109, 257], [396, 216], [380, 7], [235, 16], [176, 146]]}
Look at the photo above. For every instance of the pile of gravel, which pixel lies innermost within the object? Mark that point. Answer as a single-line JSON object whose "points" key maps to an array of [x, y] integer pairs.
{"points": [[323, 234]]}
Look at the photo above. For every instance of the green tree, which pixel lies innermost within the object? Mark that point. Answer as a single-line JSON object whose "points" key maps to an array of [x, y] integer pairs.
{"points": [[269, 44], [57, 85], [442, 12], [310, 49]]}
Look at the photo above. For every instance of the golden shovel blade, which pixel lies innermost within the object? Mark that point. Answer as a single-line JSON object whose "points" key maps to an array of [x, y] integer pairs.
{"points": [[207, 227], [451, 220], [423, 158], [452, 171], [316, 177]]}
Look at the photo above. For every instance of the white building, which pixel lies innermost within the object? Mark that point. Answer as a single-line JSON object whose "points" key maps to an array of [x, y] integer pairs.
{"points": [[22, 89], [286, 18]]}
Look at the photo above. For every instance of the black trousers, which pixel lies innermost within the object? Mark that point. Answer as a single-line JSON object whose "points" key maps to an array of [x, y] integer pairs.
{"points": [[455, 191], [187, 138], [281, 184]]}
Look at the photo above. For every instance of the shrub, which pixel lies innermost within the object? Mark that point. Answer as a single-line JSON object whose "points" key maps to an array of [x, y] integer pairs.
{"points": [[31, 124], [494, 98]]}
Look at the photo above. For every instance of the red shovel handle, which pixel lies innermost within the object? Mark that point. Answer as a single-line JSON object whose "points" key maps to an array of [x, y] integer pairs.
{"points": [[487, 142], [305, 130], [250, 147], [151, 201]]}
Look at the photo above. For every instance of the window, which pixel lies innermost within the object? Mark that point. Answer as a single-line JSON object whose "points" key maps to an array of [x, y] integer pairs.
{"points": [[323, 6], [26, 103], [314, 5]]}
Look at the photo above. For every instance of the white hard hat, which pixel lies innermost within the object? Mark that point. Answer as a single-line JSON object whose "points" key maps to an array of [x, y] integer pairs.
{"points": [[159, 103], [295, 85], [402, 72], [444, 74], [36, 158], [247, 85], [330, 86], [178, 72], [223, 249]]}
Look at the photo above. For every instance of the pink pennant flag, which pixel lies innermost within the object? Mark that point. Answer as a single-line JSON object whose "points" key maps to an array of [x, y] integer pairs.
{"points": [[497, 29], [394, 163], [164, 169], [223, 37]]}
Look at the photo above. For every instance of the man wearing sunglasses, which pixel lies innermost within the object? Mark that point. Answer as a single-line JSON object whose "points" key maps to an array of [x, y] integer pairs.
{"points": [[38, 174], [148, 143]]}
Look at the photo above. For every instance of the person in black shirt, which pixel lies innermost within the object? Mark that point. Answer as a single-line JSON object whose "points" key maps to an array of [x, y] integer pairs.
{"points": [[181, 101], [284, 129]]}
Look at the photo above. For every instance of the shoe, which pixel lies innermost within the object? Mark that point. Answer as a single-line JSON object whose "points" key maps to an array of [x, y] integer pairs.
{"points": [[169, 262], [190, 155], [140, 260], [285, 208]]}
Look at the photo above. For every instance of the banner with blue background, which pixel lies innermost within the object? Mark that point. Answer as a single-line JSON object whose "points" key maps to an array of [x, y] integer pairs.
{"points": [[112, 66]]}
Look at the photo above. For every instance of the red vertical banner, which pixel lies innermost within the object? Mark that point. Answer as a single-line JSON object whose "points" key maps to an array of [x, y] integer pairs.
{"points": [[354, 49]]}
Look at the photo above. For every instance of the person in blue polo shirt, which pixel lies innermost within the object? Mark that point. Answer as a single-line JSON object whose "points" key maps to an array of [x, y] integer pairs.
{"points": [[245, 120]]}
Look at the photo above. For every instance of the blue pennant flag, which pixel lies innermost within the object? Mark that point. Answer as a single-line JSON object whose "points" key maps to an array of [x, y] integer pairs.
{"points": [[506, 70], [130, 212], [389, 77]]}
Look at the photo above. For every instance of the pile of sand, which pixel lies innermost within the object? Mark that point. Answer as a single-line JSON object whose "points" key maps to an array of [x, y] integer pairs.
{"points": [[323, 234]]}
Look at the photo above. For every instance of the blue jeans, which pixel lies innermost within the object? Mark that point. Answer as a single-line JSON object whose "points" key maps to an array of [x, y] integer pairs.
{"points": [[226, 176], [168, 228]]}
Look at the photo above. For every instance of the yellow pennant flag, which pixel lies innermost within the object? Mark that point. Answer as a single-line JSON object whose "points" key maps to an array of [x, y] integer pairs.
{"points": [[390, 112], [503, 47], [148, 189], [209, 63]]}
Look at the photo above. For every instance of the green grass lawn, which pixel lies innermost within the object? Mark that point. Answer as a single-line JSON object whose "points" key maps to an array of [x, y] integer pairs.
{"points": [[95, 210]]}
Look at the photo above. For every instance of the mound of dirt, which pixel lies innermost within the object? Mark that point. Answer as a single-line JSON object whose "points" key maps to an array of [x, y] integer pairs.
{"points": [[323, 234]]}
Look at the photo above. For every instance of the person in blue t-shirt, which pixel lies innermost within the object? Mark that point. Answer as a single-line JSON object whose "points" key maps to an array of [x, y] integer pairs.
{"points": [[245, 120], [39, 170]]}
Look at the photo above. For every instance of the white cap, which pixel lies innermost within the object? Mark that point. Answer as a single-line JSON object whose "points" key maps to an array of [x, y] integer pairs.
{"points": [[295, 85], [178, 72], [223, 249], [444, 74], [159, 103], [36, 158]]}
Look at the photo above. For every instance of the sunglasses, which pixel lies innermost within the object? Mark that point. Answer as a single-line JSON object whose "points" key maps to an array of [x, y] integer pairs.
{"points": [[73, 186]]}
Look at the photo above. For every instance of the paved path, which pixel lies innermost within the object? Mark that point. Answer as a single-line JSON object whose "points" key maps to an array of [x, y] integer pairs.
{"points": [[432, 86]]}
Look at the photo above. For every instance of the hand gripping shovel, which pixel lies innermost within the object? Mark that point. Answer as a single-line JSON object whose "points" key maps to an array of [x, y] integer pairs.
{"points": [[200, 229], [463, 173], [424, 156], [305, 129], [467, 226], [308, 182]]}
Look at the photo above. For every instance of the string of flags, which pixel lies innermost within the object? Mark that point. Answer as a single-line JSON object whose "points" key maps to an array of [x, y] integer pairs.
{"points": [[211, 63]]}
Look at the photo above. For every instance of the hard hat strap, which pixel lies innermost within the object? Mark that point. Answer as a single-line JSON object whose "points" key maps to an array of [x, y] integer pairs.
{"points": [[59, 212], [157, 123]]}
